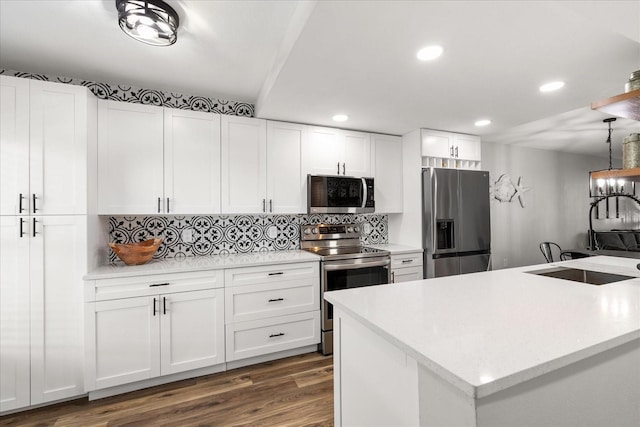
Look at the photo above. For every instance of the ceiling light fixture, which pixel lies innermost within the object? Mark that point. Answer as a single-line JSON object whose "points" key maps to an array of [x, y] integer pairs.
{"points": [[483, 122], [152, 22], [551, 86], [429, 52], [340, 118]]}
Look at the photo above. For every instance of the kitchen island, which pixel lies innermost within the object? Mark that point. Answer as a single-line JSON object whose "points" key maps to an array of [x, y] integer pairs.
{"points": [[505, 347]]}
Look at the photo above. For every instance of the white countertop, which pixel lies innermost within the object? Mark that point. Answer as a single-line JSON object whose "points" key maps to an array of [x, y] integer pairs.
{"points": [[396, 249], [200, 263], [485, 332]]}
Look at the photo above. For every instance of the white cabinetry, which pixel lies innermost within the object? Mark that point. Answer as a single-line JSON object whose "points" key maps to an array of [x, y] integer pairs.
{"points": [[337, 152], [387, 171], [244, 165], [46, 146], [157, 160], [271, 308], [406, 267], [452, 150], [173, 323], [43, 147], [285, 181]]}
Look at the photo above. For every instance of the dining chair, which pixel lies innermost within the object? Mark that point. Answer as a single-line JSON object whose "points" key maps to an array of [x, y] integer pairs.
{"points": [[547, 250]]}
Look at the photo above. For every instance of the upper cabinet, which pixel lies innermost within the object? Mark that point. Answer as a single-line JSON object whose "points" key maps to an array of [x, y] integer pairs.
{"points": [[155, 160], [337, 152], [44, 139], [244, 165], [388, 172], [450, 150], [285, 180]]}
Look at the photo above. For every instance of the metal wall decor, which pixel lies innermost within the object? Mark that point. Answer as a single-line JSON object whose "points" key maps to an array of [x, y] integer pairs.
{"points": [[505, 190]]}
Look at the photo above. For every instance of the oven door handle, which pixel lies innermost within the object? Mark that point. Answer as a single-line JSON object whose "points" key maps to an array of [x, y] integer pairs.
{"points": [[353, 266]]}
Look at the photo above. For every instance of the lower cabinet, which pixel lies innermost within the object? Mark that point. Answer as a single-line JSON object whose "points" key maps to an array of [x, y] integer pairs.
{"points": [[406, 267], [138, 338]]}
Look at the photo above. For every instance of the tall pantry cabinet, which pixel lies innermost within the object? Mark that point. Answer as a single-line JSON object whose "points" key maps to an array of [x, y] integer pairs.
{"points": [[47, 153]]}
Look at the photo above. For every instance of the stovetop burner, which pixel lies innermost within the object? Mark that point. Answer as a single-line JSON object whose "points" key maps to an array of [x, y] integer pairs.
{"points": [[339, 241], [348, 250]]}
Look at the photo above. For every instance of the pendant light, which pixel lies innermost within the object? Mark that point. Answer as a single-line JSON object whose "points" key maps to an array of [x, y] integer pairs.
{"points": [[152, 22]]}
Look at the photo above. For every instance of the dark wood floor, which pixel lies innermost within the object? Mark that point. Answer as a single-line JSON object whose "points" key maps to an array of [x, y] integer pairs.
{"points": [[296, 391]]}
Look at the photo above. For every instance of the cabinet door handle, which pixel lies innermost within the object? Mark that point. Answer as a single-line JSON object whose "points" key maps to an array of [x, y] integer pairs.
{"points": [[21, 227], [343, 169], [168, 210], [280, 334], [393, 277], [451, 151], [164, 305], [264, 205], [154, 306], [34, 232], [338, 168], [20, 198], [275, 274], [456, 152], [159, 204], [405, 261], [159, 284], [271, 205], [276, 299], [34, 202]]}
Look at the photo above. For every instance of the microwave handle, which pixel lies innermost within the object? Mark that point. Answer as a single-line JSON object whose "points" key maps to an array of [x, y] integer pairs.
{"points": [[364, 193]]}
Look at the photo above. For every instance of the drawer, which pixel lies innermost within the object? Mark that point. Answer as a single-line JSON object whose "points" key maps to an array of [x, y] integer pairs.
{"points": [[252, 302], [406, 260], [258, 337], [406, 274], [268, 274], [153, 284]]}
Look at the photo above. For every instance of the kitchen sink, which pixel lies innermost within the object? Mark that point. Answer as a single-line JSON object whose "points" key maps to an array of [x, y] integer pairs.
{"points": [[583, 276]]}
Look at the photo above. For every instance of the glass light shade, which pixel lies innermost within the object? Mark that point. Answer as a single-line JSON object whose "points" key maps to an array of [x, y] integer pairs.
{"points": [[150, 21]]}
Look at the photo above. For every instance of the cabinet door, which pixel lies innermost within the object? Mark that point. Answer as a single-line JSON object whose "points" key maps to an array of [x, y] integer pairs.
{"points": [[388, 173], [324, 153], [14, 314], [357, 154], [191, 162], [123, 341], [467, 147], [14, 145], [192, 330], [130, 169], [437, 144], [244, 162], [56, 306], [285, 183], [58, 149]]}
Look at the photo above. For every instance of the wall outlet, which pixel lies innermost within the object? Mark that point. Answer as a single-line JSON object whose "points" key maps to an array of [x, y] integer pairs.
{"points": [[505, 262], [187, 235]]}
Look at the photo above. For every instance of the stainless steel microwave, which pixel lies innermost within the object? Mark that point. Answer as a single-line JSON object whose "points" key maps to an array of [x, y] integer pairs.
{"points": [[340, 194]]}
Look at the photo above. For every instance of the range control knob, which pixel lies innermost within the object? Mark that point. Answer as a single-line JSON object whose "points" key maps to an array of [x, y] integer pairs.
{"points": [[314, 230], [307, 231], [356, 229], [349, 229]]}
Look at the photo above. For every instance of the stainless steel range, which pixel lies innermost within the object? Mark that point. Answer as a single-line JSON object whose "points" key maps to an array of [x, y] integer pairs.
{"points": [[344, 264]]}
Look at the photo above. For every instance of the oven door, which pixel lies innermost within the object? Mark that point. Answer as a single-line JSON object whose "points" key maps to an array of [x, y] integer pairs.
{"points": [[351, 273]]}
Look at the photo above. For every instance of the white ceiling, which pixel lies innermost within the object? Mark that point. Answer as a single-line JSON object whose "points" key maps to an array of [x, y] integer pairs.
{"points": [[305, 61]]}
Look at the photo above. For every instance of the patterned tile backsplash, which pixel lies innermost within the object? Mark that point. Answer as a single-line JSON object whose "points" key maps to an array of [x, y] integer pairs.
{"points": [[126, 93], [223, 234]]}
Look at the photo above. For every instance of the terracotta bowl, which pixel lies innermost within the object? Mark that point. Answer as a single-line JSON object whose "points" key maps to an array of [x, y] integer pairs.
{"points": [[136, 253]]}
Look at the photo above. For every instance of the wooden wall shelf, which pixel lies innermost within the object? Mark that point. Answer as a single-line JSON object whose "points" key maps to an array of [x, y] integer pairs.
{"points": [[626, 105]]}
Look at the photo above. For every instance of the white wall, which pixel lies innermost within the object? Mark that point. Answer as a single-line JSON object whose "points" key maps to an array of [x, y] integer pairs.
{"points": [[556, 207]]}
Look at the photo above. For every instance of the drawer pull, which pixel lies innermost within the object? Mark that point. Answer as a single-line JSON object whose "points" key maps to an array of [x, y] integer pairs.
{"points": [[281, 334], [404, 261], [159, 284], [276, 299], [276, 274]]}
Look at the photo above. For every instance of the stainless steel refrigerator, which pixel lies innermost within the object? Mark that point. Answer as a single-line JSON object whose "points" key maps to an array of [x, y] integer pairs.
{"points": [[456, 223]]}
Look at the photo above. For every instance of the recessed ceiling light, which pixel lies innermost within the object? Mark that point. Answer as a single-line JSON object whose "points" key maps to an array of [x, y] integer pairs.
{"points": [[551, 86], [150, 21], [340, 118], [483, 122], [429, 52]]}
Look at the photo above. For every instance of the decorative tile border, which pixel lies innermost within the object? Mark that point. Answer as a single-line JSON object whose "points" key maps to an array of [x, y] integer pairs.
{"points": [[224, 234], [136, 95]]}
